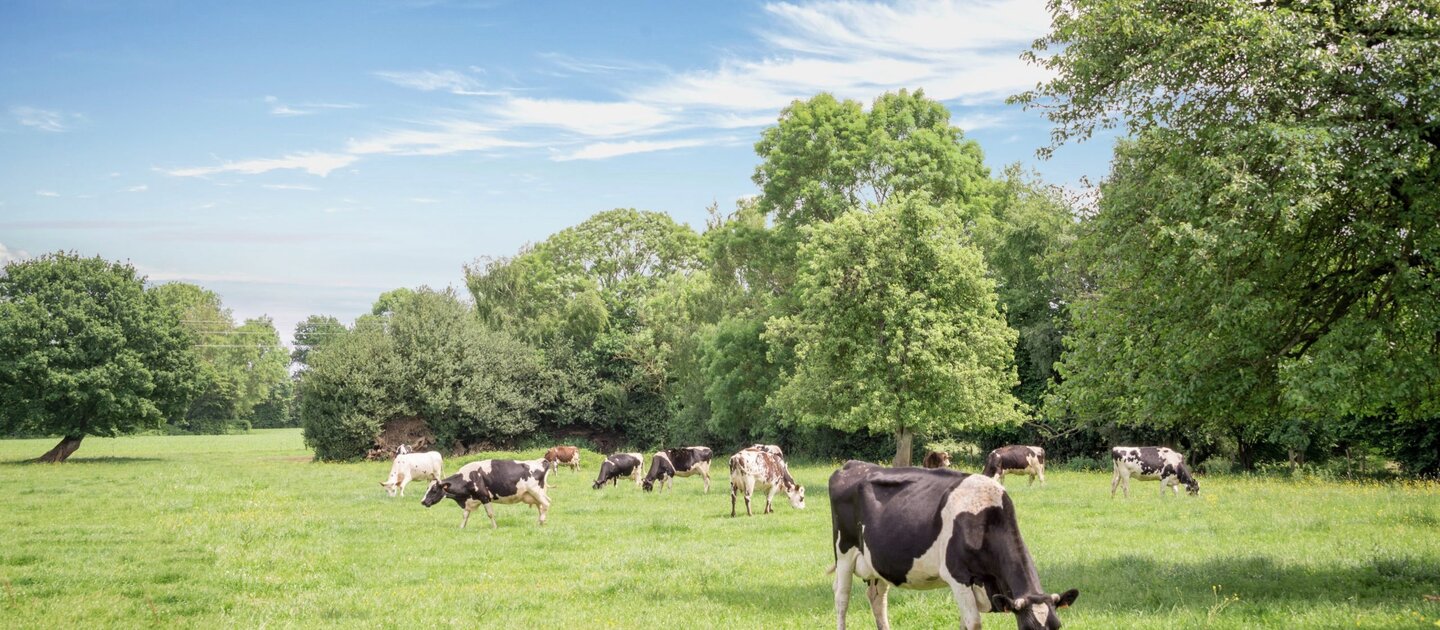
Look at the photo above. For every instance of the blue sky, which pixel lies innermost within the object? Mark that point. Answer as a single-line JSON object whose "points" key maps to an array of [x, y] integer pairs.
{"points": [[301, 158]]}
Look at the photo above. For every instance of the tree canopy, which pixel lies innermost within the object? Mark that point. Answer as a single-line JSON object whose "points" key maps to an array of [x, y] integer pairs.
{"points": [[898, 329], [1266, 246], [86, 350]]}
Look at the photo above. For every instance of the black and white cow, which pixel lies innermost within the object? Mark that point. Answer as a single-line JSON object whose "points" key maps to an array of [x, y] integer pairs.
{"points": [[490, 481], [751, 468], [1027, 459], [678, 462], [921, 529], [620, 465], [1151, 462]]}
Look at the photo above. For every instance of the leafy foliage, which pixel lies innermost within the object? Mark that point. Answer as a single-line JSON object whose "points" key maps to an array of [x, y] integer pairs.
{"points": [[898, 328], [86, 350], [1265, 250]]}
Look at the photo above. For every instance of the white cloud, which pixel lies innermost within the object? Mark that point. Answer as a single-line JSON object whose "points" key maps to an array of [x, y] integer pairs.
{"points": [[46, 119], [590, 118], [314, 163], [604, 150], [288, 187], [431, 81], [138, 189], [8, 255], [441, 138], [46, 193]]}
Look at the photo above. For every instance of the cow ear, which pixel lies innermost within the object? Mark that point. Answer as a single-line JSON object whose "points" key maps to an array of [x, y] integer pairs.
{"points": [[1064, 600], [1001, 603]]}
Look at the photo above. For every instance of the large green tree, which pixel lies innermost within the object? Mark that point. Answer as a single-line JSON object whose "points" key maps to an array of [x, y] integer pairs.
{"points": [[1266, 247], [898, 329], [86, 350]]}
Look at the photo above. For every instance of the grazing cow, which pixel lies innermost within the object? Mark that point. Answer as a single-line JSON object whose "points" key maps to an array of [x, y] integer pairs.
{"points": [[751, 467], [923, 529], [678, 462], [620, 465], [567, 455], [937, 459], [490, 481], [409, 466], [768, 448], [1151, 462], [1027, 459]]}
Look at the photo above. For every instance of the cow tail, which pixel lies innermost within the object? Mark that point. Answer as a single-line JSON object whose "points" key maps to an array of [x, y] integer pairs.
{"points": [[831, 570]]}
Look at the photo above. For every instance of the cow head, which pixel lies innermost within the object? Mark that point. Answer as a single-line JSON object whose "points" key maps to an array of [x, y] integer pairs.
{"points": [[1191, 485], [648, 484], [458, 488], [1035, 612], [391, 485], [796, 493]]}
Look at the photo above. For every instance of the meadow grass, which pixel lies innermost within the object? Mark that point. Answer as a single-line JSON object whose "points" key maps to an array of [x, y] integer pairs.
{"points": [[245, 531]]}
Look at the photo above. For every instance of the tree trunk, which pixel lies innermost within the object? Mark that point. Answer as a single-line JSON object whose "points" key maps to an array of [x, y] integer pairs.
{"points": [[904, 437], [63, 450]]}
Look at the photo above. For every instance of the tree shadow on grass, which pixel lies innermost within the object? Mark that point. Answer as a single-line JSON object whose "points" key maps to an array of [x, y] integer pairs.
{"points": [[1132, 584], [82, 461]]}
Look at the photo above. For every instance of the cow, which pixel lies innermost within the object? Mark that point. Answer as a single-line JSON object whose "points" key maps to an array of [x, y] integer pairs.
{"points": [[1151, 462], [937, 459], [751, 467], [490, 481], [567, 455], [403, 449], [922, 529], [1027, 459], [620, 465], [768, 448], [409, 466], [668, 464]]}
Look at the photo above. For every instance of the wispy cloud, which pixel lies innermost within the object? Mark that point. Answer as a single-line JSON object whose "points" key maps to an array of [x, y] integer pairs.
{"points": [[278, 108], [444, 80], [603, 150], [436, 138], [288, 187], [46, 193], [314, 163], [46, 119], [137, 189]]}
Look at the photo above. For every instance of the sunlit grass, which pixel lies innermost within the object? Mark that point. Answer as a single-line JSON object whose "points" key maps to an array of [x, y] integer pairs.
{"points": [[244, 531]]}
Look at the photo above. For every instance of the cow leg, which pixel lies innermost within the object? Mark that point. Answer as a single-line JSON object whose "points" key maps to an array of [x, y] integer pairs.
{"points": [[1042, 474], [705, 474], [749, 491], [844, 576], [490, 512], [770, 498], [543, 503], [465, 518], [879, 592], [732, 498], [969, 605], [1114, 482]]}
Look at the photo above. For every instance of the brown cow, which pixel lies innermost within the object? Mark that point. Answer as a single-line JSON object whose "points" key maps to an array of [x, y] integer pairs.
{"points": [[937, 459], [567, 455]]}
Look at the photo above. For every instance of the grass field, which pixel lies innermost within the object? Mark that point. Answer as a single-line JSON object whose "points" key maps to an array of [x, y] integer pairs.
{"points": [[246, 531]]}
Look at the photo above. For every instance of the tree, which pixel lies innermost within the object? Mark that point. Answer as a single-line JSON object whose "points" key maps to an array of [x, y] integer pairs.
{"points": [[314, 332], [237, 366], [898, 328], [1025, 240], [86, 350], [349, 392], [1266, 246]]}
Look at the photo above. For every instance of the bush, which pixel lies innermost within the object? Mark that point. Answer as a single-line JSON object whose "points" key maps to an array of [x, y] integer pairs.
{"points": [[1081, 463], [1217, 466]]}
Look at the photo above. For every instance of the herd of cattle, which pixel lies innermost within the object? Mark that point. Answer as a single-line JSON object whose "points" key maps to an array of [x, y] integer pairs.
{"points": [[917, 528]]}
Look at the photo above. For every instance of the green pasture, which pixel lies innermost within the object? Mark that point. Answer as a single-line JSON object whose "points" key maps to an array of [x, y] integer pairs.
{"points": [[245, 531]]}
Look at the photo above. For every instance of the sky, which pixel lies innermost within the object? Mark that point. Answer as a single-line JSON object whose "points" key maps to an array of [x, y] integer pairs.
{"points": [[301, 158]]}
